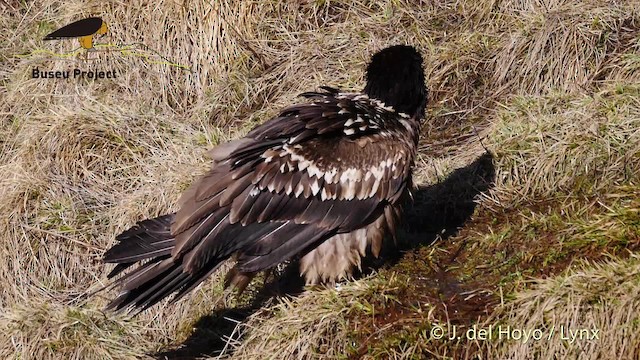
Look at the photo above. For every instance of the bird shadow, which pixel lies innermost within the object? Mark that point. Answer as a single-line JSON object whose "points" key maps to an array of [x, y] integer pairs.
{"points": [[438, 211]]}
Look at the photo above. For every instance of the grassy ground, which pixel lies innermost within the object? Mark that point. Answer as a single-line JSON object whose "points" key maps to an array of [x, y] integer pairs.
{"points": [[527, 213]]}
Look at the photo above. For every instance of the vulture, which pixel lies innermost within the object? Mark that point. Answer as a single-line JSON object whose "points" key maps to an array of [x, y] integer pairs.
{"points": [[321, 183], [84, 30]]}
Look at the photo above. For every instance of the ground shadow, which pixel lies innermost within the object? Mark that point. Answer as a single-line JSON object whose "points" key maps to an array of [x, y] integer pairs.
{"points": [[213, 333], [210, 335], [443, 208], [438, 211]]}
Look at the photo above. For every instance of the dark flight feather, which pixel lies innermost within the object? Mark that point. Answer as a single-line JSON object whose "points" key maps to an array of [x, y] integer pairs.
{"points": [[284, 250], [148, 238]]}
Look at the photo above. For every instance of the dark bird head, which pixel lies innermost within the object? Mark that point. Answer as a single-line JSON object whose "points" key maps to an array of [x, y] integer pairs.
{"points": [[395, 77], [103, 29]]}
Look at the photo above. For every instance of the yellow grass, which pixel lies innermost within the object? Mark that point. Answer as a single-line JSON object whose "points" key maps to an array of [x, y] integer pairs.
{"points": [[548, 87], [601, 298]]}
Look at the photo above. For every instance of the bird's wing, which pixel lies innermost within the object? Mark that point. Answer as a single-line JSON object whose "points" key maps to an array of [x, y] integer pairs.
{"points": [[84, 27], [320, 168]]}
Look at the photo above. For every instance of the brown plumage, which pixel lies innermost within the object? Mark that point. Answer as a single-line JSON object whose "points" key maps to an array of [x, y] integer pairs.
{"points": [[322, 181]]}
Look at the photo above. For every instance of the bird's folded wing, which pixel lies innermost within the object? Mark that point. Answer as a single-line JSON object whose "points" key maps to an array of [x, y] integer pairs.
{"points": [[317, 169]]}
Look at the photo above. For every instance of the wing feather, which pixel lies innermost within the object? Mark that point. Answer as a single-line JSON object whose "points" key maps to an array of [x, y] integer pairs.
{"points": [[286, 249], [189, 238], [315, 170], [148, 238], [237, 187]]}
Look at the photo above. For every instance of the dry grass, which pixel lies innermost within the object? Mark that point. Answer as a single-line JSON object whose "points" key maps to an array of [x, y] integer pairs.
{"points": [[560, 144], [314, 325], [602, 296], [548, 86], [43, 330]]}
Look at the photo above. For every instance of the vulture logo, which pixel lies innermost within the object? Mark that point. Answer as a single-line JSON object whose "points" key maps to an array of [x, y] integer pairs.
{"points": [[321, 182], [84, 30]]}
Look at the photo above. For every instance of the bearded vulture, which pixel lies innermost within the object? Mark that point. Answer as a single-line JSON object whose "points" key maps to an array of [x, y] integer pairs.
{"points": [[84, 30], [321, 182]]}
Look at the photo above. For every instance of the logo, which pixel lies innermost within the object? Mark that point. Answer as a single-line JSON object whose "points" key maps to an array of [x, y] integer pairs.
{"points": [[86, 32]]}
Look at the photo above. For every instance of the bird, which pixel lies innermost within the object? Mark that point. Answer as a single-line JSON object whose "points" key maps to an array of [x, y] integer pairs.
{"points": [[320, 183], [84, 30]]}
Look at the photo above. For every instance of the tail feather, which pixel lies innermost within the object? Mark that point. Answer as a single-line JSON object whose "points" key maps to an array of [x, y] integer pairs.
{"points": [[157, 277], [190, 283], [147, 239], [159, 273], [136, 282], [119, 268], [158, 290]]}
